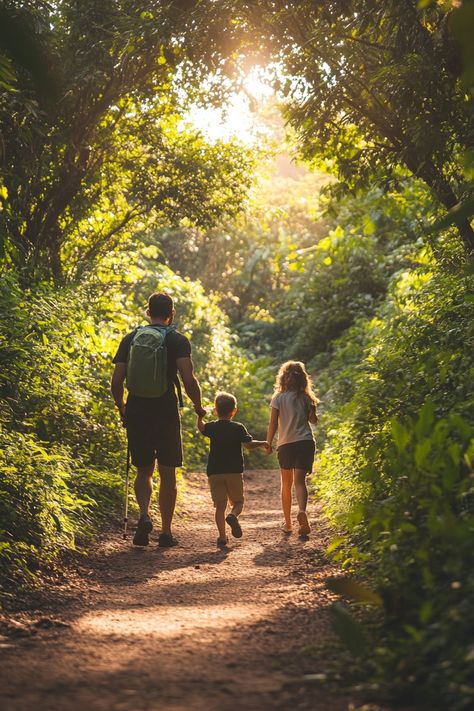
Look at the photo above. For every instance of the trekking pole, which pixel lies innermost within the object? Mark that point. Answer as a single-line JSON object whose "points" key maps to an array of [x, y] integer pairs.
{"points": [[125, 508]]}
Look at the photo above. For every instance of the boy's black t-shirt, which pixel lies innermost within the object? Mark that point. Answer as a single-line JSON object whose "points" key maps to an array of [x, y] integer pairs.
{"points": [[225, 454]]}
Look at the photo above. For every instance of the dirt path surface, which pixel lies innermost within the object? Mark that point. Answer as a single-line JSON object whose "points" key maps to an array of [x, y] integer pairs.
{"points": [[187, 628]]}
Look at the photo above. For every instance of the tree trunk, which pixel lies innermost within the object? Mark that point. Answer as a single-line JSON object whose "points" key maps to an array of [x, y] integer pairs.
{"points": [[467, 235], [54, 253], [443, 191]]}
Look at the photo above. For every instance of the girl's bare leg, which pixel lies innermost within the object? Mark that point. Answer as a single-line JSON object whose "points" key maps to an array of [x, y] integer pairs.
{"points": [[301, 489], [286, 485], [302, 499]]}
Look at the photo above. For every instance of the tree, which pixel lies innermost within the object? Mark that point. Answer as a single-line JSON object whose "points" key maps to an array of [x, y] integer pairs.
{"points": [[110, 149], [371, 86]]}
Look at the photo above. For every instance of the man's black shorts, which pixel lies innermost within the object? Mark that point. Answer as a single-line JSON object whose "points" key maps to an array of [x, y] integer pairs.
{"points": [[297, 455], [154, 433]]}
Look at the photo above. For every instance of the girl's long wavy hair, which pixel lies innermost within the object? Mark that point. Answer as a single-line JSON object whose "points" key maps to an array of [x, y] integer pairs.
{"points": [[293, 376]]}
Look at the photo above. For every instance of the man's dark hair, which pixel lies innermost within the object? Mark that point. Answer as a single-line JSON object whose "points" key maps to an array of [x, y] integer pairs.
{"points": [[160, 305], [225, 403]]}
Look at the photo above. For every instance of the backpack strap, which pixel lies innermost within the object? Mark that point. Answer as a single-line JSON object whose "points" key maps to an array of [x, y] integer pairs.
{"points": [[176, 382]]}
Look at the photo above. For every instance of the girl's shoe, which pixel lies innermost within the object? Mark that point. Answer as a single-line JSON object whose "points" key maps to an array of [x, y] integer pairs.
{"points": [[304, 528], [285, 528], [234, 524], [222, 542]]}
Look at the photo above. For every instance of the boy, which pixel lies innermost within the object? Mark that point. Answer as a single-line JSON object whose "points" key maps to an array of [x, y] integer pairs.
{"points": [[226, 464]]}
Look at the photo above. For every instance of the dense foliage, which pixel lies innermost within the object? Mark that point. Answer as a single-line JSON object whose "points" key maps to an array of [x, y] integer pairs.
{"points": [[397, 473]]}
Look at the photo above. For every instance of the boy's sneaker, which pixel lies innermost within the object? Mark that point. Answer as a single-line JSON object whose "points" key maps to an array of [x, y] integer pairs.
{"points": [[222, 542], [234, 524], [142, 534], [166, 540], [304, 528]]}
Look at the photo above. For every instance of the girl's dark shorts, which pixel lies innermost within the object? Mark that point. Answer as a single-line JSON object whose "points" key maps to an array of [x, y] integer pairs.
{"points": [[297, 455]]}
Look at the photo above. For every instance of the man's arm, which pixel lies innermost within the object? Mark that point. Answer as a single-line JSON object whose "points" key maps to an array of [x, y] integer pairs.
{"points": [[191, 385], [200, 424], [116, 386]]}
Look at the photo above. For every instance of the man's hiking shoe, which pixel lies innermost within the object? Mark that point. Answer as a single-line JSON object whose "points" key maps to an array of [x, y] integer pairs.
{"points": [[222, 542], [234, 524], [142, 534], [166, 540], [304, 528]]}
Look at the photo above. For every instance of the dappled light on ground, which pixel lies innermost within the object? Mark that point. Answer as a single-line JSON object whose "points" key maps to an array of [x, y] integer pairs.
{"points": [[172, 621]]}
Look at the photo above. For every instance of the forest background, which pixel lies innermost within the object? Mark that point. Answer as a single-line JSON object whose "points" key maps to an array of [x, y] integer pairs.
{"points": [[299, 177]]}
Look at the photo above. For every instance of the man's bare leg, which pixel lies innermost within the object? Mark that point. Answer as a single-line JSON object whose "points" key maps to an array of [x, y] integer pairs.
{"points": [[144, 488], [167, 497], [143, 492]]}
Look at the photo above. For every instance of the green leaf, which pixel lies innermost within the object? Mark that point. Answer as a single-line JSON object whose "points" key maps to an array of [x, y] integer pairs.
{"points": [[350, 631], [350, 588], [400, 435], [426, 611], [335, 543], [369, 226], [425, 420], [422, 450], [413, 632]]}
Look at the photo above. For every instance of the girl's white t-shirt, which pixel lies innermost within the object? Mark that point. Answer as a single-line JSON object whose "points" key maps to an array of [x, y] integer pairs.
{"points": [[294, 409]]}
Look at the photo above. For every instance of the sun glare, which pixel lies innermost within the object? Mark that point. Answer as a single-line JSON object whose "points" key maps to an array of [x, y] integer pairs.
{"points": [[256, 83], [239, 118]]}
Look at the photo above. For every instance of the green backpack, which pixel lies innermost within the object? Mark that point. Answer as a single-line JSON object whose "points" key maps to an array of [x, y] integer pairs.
{"points": [[147, 373]]}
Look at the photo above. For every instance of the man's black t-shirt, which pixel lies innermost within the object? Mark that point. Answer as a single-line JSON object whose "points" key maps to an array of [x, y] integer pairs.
{"points": [[177, 346], [225, 454]]}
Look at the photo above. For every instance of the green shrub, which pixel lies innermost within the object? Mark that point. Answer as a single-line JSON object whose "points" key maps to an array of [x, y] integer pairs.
{"points": [[41, 514], [397, 477]]}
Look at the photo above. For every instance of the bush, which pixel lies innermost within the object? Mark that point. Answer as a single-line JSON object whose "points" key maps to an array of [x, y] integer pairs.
{"points": [[396, 475]]}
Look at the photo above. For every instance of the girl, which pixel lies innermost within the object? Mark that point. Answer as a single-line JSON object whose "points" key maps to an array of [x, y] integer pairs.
{"points": [[293, 408]]}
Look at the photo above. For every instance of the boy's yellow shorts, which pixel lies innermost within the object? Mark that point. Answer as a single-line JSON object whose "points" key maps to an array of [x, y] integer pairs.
{"points": [[226, 487]]}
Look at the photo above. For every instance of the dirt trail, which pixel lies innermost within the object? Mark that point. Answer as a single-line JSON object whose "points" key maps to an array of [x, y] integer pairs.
{"points": [[191, 627]]}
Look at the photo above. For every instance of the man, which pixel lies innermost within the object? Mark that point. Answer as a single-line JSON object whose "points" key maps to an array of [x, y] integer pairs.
{"points": [[153, 423]]}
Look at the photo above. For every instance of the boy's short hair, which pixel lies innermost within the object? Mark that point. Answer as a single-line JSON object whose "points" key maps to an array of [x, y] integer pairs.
{"points": [[225, 403], [160, 305]]}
